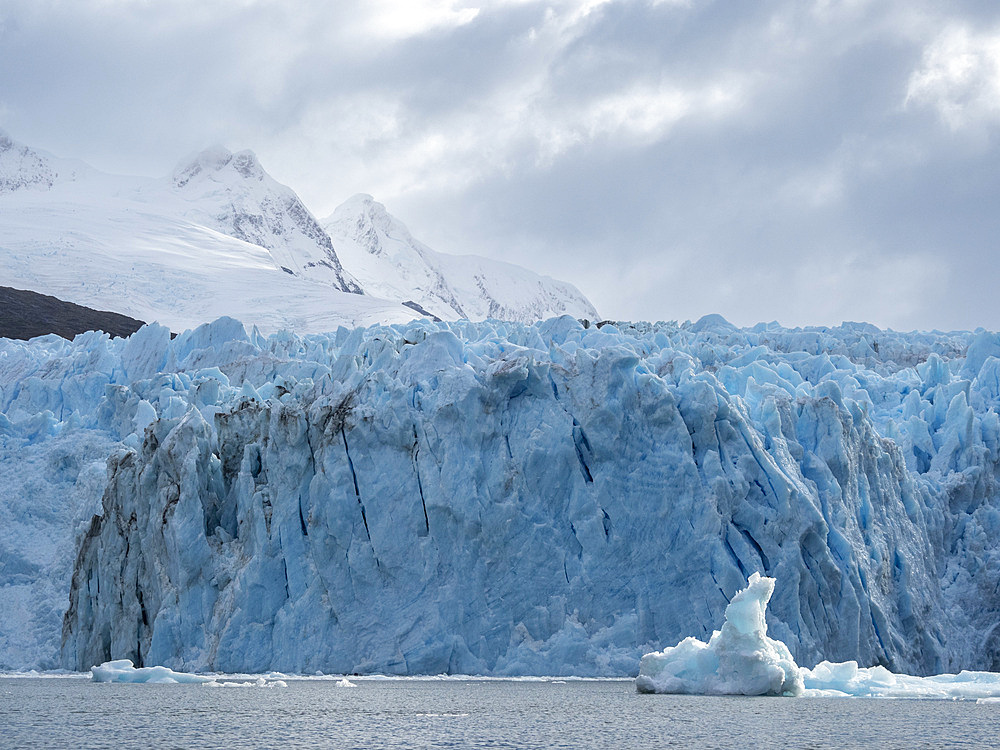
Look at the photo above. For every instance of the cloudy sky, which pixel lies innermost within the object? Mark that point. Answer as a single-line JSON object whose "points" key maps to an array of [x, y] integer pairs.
{"points": [[793, 160]]}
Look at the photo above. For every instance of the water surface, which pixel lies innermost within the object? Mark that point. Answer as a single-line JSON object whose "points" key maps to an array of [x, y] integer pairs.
{"points": [[381, 713]]}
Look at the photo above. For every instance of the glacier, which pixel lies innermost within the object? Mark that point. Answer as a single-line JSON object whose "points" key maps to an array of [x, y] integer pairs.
{"points": [[496, 498]]}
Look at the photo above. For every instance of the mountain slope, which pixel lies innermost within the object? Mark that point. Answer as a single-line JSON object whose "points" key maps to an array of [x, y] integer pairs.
{"points": [[234, 195], [22, 168], [219, 236], [24, 315], [390, 262]]}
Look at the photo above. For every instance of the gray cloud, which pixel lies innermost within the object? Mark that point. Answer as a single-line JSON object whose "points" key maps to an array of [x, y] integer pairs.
{"points": [[806, 162]]}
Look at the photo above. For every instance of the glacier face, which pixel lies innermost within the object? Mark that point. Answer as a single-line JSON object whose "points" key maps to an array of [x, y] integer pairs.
{"points": [[505, 498]]}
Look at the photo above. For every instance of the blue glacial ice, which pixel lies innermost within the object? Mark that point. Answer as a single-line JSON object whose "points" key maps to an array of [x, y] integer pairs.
{"points": [[497, 498], [738, 660], [122, 670], [741, 659]]}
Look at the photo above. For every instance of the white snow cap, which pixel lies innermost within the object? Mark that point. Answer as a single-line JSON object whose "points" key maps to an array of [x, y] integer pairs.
{"points": [[215, 159]]}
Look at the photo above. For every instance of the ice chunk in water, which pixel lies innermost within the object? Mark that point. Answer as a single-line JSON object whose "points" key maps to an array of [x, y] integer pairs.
{"points": [[738, 660], [122, 670], [741, 660]]}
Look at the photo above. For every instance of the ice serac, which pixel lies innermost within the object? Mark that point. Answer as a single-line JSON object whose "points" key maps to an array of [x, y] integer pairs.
{"points": [[738, 660], [528, 499], [389, 262]]}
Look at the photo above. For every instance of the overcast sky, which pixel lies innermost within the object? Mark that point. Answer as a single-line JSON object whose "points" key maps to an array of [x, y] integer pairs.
{"points": [[806, 162]]}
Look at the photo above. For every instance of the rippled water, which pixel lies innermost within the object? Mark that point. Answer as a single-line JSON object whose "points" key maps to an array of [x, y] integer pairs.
{"points": [[466, 714]]}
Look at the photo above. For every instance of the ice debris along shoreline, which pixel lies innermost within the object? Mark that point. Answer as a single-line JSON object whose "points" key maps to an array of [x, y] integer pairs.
{"points": [[122, 670], [741, 659]]}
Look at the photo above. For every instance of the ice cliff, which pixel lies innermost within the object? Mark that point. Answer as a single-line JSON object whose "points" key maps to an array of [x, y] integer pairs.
{"points": [[497, 498]]}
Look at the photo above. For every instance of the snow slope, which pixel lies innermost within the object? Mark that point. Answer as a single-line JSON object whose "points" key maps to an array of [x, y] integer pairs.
{"points": [[390, 263], [499, 498], [217, 237], [232, 194]]}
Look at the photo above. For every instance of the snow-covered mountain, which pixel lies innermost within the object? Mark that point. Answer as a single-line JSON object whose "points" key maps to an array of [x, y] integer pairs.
{"points": [[22, 168], [219, 236], [232, 194], [391, 263]]}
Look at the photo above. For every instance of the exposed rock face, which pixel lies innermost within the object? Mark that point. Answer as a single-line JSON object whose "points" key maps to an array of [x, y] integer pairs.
{"points": [[24, 315]]}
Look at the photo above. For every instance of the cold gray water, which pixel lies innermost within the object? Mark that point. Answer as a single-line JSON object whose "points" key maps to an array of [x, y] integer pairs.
{"points": [[466, 714]]}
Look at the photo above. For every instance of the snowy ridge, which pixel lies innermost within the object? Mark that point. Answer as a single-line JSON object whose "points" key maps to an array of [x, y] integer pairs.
{"points": [[498, 498], [22, 168], [394, 265], [233, 194], [219, 236]]}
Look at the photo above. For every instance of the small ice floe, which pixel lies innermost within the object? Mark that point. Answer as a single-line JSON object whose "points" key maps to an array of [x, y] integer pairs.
{"points": [[740, 659], [344, 682], [848, 679], [122, 670], [259, 682]]}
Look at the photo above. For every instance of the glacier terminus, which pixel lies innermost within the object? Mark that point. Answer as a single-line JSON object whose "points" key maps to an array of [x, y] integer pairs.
{"points": [[497, 498]]}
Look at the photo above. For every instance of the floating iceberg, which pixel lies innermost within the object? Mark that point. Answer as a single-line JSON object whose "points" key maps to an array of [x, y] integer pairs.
{"points": [[740, 659], [259, 682], [848, 679], [122, 670]]}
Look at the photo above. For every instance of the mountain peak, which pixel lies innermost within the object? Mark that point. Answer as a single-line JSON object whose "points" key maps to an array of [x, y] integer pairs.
{"points": [[22, 168], [390, 262], [216, 161], [361, 215]]}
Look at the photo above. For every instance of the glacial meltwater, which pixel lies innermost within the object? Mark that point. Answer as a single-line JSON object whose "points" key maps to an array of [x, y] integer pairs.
{"points": [[459, 713]]}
